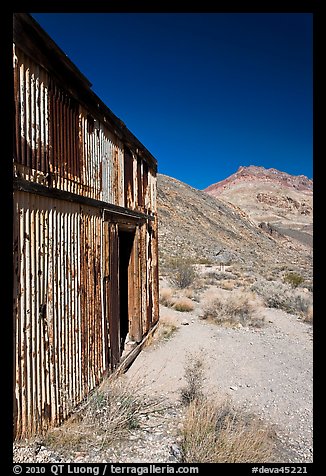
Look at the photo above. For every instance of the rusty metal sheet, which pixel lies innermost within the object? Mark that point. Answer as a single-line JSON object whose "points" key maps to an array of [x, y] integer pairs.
{"points": [[60, 144], [114, 315], [128, 165], [57, 309], [140, 195]]}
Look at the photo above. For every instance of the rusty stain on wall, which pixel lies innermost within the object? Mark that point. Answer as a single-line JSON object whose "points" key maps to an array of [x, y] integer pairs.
{"points": [[85, 235]]}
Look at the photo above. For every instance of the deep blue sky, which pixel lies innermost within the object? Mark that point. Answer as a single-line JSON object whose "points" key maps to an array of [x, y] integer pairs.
{"points": [[205, 93]]}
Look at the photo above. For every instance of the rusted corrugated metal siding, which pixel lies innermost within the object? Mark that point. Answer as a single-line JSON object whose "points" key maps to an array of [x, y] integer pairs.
{"points": [[59, 334], [84, 183], [59, 144]]}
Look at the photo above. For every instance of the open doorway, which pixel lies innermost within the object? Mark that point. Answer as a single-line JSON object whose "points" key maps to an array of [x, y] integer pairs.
{"points": [[126, 241]]}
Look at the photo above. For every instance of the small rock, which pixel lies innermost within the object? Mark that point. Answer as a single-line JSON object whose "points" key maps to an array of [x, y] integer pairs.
{"points": [[233, 387], [185, 322], [175, 451]]}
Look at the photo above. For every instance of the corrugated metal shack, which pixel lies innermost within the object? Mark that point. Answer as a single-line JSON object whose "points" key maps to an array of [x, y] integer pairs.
{"points": [[85, 234]]}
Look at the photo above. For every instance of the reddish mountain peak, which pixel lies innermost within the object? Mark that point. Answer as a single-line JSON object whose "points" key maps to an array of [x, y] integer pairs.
{"points": [[254, 173]]}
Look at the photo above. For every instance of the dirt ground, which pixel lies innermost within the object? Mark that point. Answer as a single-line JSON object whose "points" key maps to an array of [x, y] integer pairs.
{"points": [[268, 370]]}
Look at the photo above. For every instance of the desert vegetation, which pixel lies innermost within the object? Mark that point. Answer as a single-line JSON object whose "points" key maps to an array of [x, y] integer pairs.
{"points": [[107, 416], [214, 431], [182, 272], [280, 295], [238, 308], [167, 327], [294, 279], [247, 293]]}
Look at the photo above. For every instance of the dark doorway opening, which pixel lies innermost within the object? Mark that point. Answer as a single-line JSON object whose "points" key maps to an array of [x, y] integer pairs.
{"points": [[126, 241]]}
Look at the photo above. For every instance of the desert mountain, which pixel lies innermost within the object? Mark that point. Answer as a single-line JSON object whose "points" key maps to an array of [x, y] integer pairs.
{"points": [[268, 196], [198, 226]]}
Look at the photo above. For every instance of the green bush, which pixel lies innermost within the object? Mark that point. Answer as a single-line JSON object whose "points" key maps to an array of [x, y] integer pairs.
{"points": [[294, 279]]}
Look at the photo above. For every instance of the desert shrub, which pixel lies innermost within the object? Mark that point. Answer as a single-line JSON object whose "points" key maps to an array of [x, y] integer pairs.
{"points": [[166, 297], [294, 279], [194, 377], [274, 293], [170, 298], [227, 284], [182, 273], [214, 432], [212, 276], [238, 307], [167, 327], [183, 305], [308, 317], [189, 293], [105, 416], [208, 262], [279, 295]]}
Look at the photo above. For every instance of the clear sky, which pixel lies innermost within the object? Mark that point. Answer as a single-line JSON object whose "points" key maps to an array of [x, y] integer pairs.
{"points": [[204, 92]]}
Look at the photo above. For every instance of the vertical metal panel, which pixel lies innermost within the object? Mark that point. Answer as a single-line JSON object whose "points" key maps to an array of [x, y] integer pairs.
{"points": [[114, 310], [145, 186], [140, 196], [134, 286], [120, 175], [155, 269], [57, 306], [128, 165], [144, 275]]}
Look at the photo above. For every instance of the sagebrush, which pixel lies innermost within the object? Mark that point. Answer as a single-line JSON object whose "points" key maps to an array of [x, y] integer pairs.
{"points": [[182, 273], [237, 307], [280, 295]]}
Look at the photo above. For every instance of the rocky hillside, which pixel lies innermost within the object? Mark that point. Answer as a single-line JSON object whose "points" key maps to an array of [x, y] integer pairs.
{"points": [[195, 225], [282, 200]]}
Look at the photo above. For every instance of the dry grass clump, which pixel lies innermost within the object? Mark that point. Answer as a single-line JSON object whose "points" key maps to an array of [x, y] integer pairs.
{"points": [[183, 305], [234, 309], [166, 297], [227, 284], [108, 415], [309, 315], [283, 296], [167, 327], [177, 300], [214, 432], [194, 377]]}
